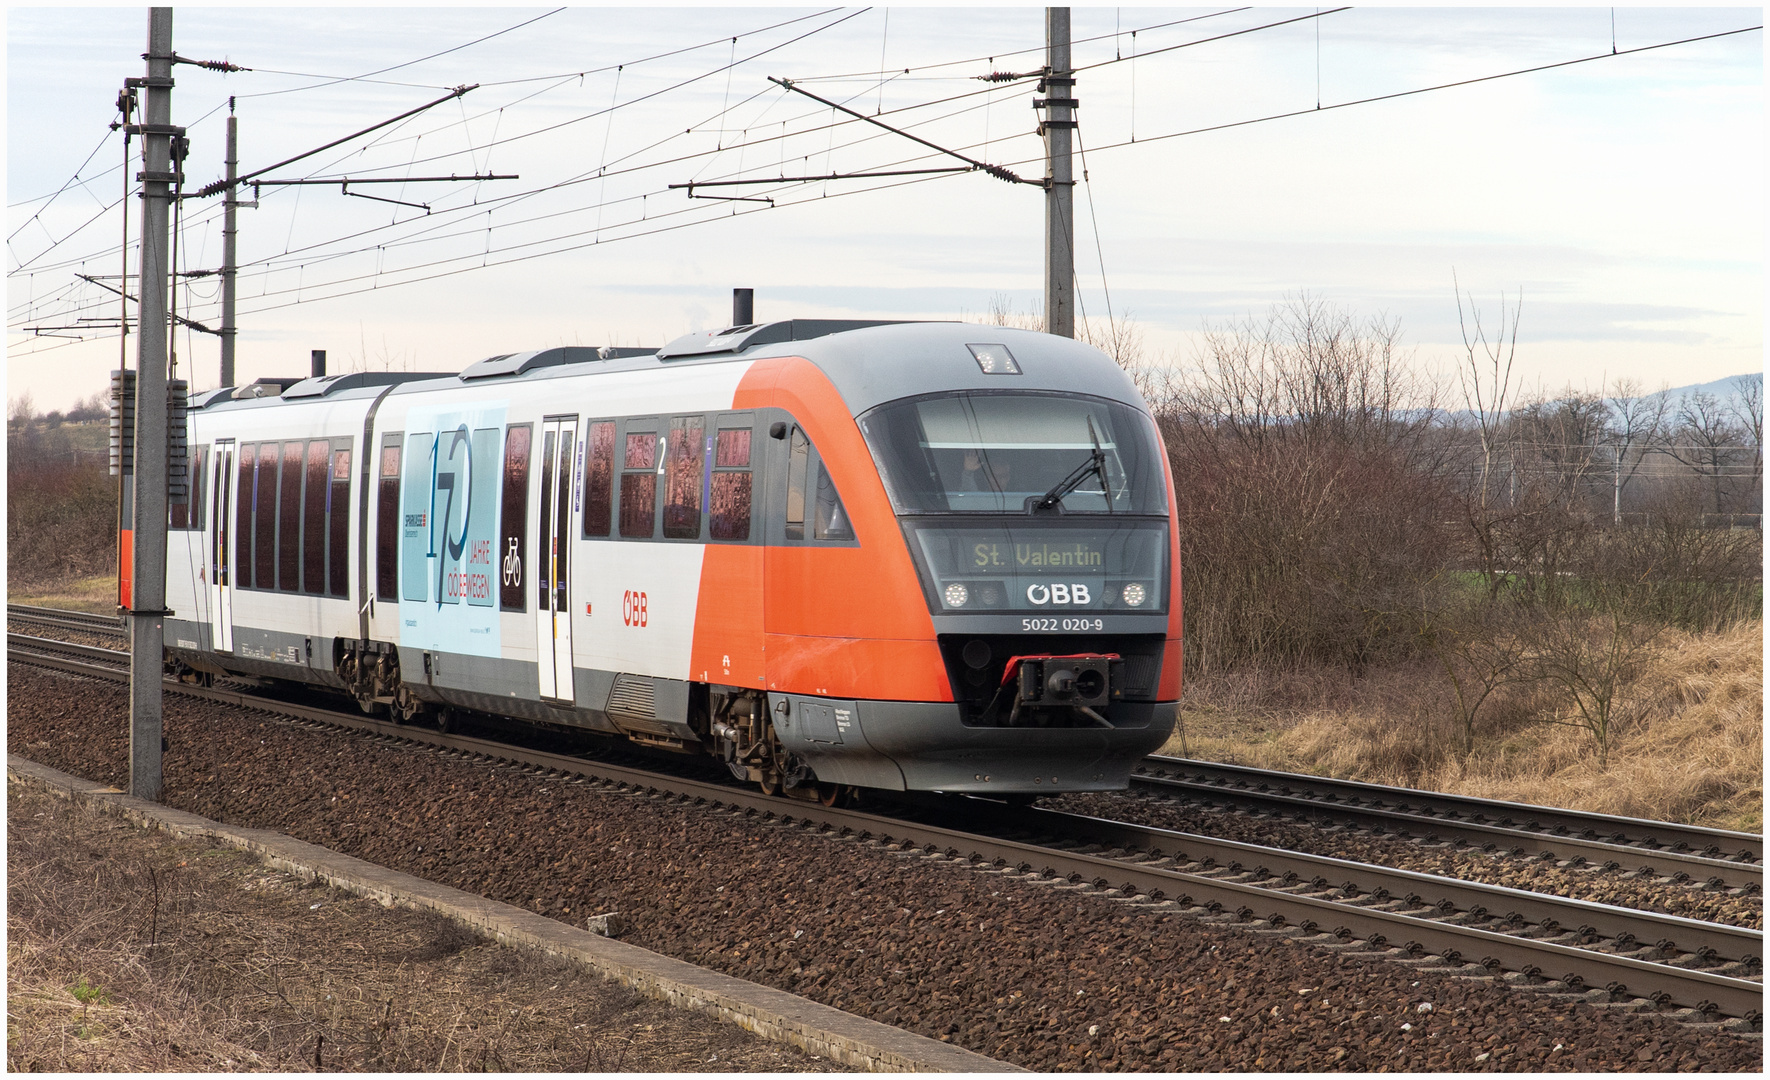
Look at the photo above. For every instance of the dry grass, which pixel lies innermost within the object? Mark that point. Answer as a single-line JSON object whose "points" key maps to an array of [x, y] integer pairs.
{"points": [[95, 594], [130, 951], [1691, 749]]}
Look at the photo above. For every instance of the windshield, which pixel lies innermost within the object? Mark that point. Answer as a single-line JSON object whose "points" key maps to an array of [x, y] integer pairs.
{"points": [[978, 453]]}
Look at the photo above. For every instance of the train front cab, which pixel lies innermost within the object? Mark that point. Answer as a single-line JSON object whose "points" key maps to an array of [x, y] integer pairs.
{"points": [[967, 638]]}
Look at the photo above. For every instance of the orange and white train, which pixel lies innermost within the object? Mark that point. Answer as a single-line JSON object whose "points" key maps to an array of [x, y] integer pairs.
{"points": [[836, 555]]}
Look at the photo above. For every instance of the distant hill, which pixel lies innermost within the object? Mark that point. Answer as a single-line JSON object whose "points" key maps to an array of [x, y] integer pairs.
{"points": [[1721, 388]]}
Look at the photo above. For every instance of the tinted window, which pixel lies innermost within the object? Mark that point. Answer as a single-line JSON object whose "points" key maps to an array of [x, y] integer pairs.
{"points": [[639, 487], [243, 506], [220, 559], [562, 518], [728, 501], [199, 467], [544, 550], [185, 510], [682, 489], [599, 478], [313, 528], [387, 523], [338, 514], [264, 501], [288, 511], [515, 516]]}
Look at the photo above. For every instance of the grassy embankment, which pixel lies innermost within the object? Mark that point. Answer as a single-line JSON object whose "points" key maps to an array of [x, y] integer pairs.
{"points": [[1692, 749], [61, 544]]}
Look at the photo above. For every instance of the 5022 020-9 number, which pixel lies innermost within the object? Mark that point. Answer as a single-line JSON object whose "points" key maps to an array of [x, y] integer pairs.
{"points": [[1062, 624]]}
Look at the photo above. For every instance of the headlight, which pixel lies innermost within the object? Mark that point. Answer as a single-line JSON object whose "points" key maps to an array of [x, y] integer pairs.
{"points": [[1135, 594], [957, 595]]}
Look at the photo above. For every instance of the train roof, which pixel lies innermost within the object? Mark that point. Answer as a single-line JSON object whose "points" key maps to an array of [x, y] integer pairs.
{"points": [[869, 361]]}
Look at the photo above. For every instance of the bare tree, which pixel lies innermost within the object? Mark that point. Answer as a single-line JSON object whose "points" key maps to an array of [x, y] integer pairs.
{"points": [[1487, 379], [1748, 414], [1637, 422], [1708, 442]]}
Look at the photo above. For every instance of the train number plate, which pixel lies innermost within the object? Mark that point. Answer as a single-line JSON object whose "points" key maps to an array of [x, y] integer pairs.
{"points": [[1062, 624]]}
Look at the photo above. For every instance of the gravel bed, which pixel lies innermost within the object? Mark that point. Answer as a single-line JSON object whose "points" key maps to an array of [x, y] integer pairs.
{"points": [[1600, 886], [1041, 976], [68, 634]]}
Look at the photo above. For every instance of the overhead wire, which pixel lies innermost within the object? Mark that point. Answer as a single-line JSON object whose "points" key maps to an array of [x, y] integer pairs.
{"points": [[409, 63], [630, 102], [1430, 89], [788, 202]]}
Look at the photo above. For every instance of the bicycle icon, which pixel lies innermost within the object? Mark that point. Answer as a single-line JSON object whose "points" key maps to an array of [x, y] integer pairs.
{"points": [[512, 565]]}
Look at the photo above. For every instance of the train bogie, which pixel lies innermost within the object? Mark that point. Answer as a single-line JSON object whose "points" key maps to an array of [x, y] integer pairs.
{"points": [[898, 556]]}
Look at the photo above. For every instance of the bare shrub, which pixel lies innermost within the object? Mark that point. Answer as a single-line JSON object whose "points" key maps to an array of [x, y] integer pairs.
{"points": [[1310, 497], [1480, 648], [61, 507], [1676, 570], [1588, 661]]}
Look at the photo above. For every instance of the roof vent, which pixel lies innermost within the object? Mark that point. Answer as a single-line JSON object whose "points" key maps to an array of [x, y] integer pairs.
{"points": [[734, 339], [524, 362], [327, 385]]}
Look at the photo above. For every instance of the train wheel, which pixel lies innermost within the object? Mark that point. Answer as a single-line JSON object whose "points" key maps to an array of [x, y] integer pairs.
{"points": [[770, 784], [447, 720], [831, 795]]}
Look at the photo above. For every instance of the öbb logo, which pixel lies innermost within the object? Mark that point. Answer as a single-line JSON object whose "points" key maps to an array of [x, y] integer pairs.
{"points": [[1059, 594], [633, 608]]}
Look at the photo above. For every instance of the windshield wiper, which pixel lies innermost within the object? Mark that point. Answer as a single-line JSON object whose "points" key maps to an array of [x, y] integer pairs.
{"points": [[1095, 464]]}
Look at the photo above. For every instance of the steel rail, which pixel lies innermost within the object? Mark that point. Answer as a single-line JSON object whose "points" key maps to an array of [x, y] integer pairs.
{"points": [[1703, 991], [1450, 897], [72, 620], [1599, 838]]}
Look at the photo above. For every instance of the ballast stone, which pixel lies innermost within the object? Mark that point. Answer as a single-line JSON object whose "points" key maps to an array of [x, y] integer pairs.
{"points": [[773, 1014]]}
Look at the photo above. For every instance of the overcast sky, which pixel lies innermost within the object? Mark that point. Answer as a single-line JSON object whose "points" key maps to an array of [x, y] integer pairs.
{"points": [[1623, 196]]}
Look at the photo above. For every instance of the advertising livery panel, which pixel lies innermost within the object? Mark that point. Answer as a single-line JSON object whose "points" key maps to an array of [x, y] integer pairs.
{"points": [[448, 524]]}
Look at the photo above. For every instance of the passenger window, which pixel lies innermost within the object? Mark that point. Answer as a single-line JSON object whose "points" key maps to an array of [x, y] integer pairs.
{"points": [[244, 505], [639, 484], [288, 510], [517, 439], [185, 511], [264, 501], [338, 519], [728, 505], [599, 478], [387, 523], [544, 548], [798, 457], [199, 466], [313, 527], [682, 487], [831, 521]]}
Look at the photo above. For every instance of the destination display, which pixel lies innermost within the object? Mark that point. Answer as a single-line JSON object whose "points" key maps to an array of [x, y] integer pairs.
{"points": [[1053, 569]]}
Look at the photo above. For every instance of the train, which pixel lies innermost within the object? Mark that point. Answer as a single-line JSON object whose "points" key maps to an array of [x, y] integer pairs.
{"points": [[836, 555]]}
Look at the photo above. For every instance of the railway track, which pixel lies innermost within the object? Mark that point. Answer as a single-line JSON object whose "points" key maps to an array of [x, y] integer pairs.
{"points": [[66, 620], [1610, 953], [1684, 853]]}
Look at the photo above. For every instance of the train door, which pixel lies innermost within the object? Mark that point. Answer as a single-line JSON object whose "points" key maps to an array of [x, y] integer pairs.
{"points": [[220, 538], [553, 608]]}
